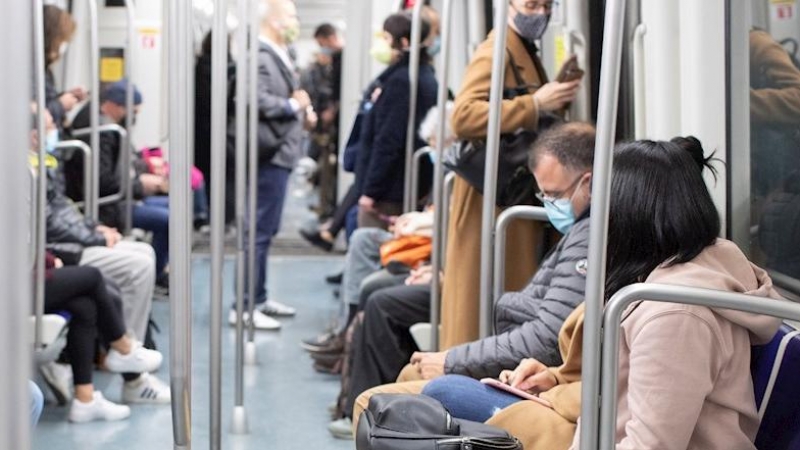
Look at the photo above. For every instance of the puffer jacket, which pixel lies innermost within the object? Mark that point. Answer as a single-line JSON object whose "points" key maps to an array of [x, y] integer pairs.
{"points": [[65, 224], [527, 323]]}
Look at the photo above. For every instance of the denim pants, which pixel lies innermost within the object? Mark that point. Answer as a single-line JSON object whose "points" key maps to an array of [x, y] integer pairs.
{"points": [[467, 398], [152, 215], [272, 184], [37, 402]]}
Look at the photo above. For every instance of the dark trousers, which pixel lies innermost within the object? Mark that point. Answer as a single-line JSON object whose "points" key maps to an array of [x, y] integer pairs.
{"points": [[272, 182], [339, 219], [81, 291], [152, 215], [382, 345]]}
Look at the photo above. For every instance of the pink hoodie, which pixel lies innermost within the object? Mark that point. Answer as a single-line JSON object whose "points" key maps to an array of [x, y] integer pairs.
{"points": [[684, 378]]}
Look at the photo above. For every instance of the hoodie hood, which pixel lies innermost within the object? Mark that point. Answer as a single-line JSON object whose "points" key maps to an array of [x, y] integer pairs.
{"points": [[723, 267]]}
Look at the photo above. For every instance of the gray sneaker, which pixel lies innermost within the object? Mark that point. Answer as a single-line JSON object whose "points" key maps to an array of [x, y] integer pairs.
{"points": [[342, 429]]}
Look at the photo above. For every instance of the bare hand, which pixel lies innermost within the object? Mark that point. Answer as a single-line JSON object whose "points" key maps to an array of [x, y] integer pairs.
{"points": [[302, 98], [311, 119], [79, 92], [111, 235], [152, 184], [58, 263], [68, 101], [530, 375], [554, 95], [366, 203], [430, 364], [421, 276]]}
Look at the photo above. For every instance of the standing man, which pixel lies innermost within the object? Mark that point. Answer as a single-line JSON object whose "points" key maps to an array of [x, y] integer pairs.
{"points": [[283, 111]]}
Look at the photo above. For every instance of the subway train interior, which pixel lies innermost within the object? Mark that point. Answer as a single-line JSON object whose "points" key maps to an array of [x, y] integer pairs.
{"points": [[297, 224]]}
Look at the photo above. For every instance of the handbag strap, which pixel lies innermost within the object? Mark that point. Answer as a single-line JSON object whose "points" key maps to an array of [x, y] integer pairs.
{"points": [[521, 88]]}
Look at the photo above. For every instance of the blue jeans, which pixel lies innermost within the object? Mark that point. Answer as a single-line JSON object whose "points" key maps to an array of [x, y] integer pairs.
{"points": [[152, 214], [200, 200], [272, 182], [37, 402], [467, 398]]}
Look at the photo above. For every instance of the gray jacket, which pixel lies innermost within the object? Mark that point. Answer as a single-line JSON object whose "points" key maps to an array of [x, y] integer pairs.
{"points": [[527, 323], [280, 129]]}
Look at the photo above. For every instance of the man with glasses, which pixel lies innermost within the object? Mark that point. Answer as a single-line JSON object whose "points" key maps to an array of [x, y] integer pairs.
{"points": [[527, 322]]}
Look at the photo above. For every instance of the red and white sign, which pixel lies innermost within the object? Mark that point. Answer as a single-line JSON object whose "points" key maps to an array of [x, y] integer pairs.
{"points": [[784, 12]]}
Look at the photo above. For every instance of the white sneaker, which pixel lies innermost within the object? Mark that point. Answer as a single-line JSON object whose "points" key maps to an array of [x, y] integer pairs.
{"points": [[138, 360], [261, 320], [146, 389], [59, 379], [342, 429], [98, 409], [273, 308]]}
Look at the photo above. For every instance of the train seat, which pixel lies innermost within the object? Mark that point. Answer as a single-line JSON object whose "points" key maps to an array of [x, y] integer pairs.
{"points": [[54, 336]]}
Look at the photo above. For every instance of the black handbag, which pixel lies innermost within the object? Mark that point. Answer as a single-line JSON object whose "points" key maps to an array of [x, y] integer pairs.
{"points": [[418, 422], [515, 182]]}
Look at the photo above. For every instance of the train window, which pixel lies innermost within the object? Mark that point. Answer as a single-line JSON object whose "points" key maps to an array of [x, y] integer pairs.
{"points": [[773, 38]]}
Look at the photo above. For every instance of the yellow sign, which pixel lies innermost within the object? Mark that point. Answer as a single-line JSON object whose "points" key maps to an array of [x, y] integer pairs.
{"points": [[111, 69], [560, 52]]}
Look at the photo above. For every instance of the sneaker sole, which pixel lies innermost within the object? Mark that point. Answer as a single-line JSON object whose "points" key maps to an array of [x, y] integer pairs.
{"points": [[233, 324], [342, 436]]}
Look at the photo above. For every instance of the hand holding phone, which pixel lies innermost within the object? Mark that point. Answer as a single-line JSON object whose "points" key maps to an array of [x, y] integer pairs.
{"points": [[570, 71], [514, 391]]}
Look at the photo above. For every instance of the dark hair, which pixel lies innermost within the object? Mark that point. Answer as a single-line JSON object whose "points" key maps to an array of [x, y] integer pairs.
{"points": [[661, 211], [58, 28], [695, 148], [399, 26], [325, 30], [571, 143]]}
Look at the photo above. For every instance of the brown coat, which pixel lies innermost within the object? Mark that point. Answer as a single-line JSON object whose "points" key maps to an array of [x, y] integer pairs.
{"points": [[779, 103], [460, 297]]}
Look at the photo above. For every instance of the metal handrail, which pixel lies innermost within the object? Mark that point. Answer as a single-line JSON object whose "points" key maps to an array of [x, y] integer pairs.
{"points": [[598, 226], [490, 170], [415, 173], [239, 418], [122, 168], [94, 106], [665, 294], [180, 125], [41, 197], [533, 213], [439, 208], [88, 170], [219, 101], [413, 89], [252, 197], [126, 180], [639, 92]]}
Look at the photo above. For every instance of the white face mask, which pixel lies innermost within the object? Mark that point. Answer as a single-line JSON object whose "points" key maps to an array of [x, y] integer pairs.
{"points": [[62, 49]]}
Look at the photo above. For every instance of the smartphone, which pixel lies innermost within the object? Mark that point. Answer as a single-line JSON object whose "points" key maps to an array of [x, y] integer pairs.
{"points": [[570, 71], [497, 384]]}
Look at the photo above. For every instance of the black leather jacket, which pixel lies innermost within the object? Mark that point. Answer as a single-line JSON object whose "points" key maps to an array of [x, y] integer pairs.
{"points": [[65, 223]]}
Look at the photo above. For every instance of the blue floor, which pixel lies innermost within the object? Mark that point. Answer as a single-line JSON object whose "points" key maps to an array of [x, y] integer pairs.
{"points": [[286, 400]]}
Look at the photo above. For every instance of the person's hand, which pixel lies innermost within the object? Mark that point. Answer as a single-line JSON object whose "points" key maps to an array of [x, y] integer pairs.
{"points": [[311, 119], [153, 184], [111, 235], [530, 375], [80, 93], [430, 364], [366, 203], [68, 101], [58, 263], [302, 98], [402, 225], [158, 166], [328, 116], [554, 95], [420, 276]]}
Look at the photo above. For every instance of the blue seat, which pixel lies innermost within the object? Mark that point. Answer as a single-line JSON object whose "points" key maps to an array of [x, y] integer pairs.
{"points": [[775, 368]]}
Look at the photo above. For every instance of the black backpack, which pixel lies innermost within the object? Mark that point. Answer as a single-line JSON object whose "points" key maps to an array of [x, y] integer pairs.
{"points": [[418, 422]]}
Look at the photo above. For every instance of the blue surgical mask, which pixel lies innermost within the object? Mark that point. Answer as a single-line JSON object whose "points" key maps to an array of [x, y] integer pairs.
{"points": [[561, 214], [531, 27], [51, 141], [435, 47]]}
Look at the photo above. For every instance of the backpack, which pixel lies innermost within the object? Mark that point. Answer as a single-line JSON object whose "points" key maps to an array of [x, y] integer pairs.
{"points": [[418, 422]]}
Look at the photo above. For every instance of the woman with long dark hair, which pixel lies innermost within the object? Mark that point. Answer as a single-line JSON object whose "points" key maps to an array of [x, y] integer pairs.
{"points": [[59, 28]]}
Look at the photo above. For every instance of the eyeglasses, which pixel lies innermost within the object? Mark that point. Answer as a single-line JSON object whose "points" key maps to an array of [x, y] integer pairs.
{"points": [[547, 5], [553, 196]]}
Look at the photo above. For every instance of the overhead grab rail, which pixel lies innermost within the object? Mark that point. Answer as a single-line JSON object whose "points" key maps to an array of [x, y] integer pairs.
{"points": [[94, 106], [88, 170], [127, 180], [123, 168], [506, 218], [598, 226], [410, 203], [439, 208], [180, 49], [490, 171], [670, 294]]}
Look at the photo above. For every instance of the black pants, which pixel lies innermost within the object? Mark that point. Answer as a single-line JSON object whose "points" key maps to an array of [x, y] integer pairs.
{"points": [[339, 218], [382, 345], [81, 291]]}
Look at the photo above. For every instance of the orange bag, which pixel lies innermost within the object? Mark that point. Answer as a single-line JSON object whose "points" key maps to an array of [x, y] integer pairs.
{"points": [[410, 251]]}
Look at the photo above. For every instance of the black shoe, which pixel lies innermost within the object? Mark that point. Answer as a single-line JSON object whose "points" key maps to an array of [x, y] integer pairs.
{"points": [[162, 286], [335, 278], [315, 238]]}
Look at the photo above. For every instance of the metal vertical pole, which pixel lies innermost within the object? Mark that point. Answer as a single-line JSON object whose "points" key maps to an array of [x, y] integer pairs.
{"points": [[239, 420], [178, 16], [490, 173], [437, 255], [14, 276], [252, 195], [598, 227], [127, 189], [519, 212], [219, 61], [90, 199], [409, 203], [41, 192]]}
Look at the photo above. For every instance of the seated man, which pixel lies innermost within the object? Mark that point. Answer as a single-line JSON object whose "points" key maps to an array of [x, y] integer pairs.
{"points": [[528, 322]]}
